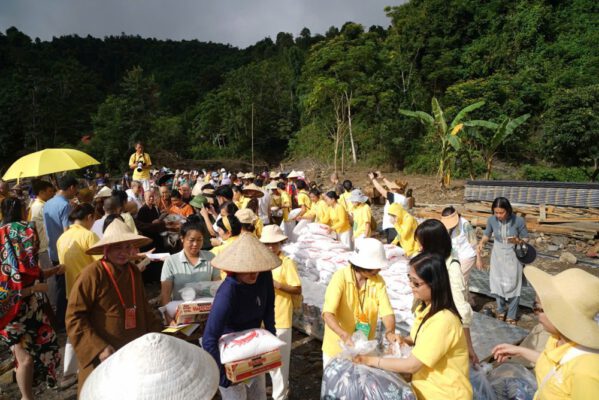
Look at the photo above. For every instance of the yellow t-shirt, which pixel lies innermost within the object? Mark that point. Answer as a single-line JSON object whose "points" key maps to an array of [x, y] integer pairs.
{"points": [[343, 300], [303, 199], [219, 249], [441, 346], [320, 212], [285, 203], [145, 171], [575, 379], [71, 247], [344, 201], [339, 220], [362, 215], [258, 226], [287, 274]]}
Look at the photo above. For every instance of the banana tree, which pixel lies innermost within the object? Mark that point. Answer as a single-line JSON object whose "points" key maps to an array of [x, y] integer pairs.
{"points": [[489, 145], [447, 135]]}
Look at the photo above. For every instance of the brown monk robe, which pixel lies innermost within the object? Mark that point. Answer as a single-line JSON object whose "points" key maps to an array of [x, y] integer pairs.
{"points": [[96, 317]]}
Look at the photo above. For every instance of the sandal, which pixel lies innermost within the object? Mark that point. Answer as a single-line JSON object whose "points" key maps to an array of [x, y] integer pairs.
{"points": [[511, 321], [500, 317]]}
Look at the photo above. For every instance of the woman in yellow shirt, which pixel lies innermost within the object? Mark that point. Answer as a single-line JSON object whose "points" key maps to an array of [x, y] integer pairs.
{"points": [[319, 212], [354, 299], [361, 216], [253, 205], [348, 187], [285, 201], [303, 198], [568, 308], [287, 285], [338, 219], [439, 359], [405, 225], [71, 247]]}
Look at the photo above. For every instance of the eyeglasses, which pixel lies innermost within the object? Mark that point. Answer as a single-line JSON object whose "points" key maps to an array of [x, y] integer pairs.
{"points": [[415, 284], [536, 308]]}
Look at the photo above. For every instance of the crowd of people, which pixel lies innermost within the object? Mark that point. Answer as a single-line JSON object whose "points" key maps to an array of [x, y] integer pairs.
{"points": [[75, 258]]}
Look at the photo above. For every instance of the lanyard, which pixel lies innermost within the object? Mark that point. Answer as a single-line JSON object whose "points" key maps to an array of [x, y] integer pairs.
{"points": [[118, 292], [362, 299]]}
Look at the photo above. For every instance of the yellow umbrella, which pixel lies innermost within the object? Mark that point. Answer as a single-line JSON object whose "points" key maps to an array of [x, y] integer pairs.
{"points": [[48, 161]]}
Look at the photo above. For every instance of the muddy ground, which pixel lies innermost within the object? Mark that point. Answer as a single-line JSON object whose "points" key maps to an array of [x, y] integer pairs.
{"points": [[306, 358]]}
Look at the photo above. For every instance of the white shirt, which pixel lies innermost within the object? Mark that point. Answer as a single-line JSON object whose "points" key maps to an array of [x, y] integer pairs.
{"points": [[397, 198], [37, 216], [97, 227], [264, 207], [134, 198]]}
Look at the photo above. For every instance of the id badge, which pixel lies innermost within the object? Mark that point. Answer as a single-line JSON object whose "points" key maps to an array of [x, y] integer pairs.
{"points": [[363, 327], [130, 318]]}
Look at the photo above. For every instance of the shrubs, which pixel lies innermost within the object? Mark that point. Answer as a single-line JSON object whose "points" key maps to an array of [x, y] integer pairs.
{"points": [[553, 174]]}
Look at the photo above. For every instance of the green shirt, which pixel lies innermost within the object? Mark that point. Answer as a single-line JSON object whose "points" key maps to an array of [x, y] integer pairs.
{"points": [[180, 271]]}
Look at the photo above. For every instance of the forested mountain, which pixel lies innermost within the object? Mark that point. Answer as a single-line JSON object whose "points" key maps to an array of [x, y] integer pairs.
{"points": [[333, 96]]}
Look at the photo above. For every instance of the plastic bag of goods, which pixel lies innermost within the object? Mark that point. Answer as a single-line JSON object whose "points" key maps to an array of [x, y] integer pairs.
{"points": [[204, 289], [361, 345], [481, 387], [397, 350], [237, 346], [321, 230], [513, 382], [342, 379]]}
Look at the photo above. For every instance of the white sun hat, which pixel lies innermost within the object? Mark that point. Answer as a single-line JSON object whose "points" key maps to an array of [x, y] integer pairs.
{"points": [[357, 196], [370, 254], [154, 367], [103, 193]]}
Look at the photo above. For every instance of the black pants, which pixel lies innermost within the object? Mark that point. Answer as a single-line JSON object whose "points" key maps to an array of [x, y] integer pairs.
{"points": [[60, 298], [391, 234]]}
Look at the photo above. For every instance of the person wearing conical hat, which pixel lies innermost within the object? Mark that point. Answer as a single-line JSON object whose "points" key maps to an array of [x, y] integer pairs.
{"points": [[568, 308], [107, 305], [245, 300], [154, 367], [288, 288]]}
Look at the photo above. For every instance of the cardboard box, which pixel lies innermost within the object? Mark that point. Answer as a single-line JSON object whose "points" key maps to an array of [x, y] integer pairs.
{"points": [[191, 312], [250, 367]]}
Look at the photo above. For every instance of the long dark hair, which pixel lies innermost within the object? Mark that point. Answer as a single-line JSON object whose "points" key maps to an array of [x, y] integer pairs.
{"points": [[431, 269], [434, 238], [12, 210], [502, 202]]}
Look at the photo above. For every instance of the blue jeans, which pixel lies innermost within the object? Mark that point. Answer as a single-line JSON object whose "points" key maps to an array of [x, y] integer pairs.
{"points": [[512, 306]]}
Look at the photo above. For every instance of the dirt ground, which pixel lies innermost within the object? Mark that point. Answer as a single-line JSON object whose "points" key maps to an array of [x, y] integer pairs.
{"points": [[306, 358]]}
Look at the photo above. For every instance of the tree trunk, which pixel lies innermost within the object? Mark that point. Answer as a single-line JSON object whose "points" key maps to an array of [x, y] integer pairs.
{"points": [[351, 135], [489, 168]]}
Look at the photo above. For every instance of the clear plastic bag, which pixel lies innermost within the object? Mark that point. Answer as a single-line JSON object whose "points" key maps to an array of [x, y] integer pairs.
{"points": [[342, 379], [397, 350], [362, 346], [481, 387], [204, 289], [513, 382]]}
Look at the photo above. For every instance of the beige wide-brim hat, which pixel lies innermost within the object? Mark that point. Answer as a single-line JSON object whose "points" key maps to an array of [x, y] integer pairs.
{"points": [[272, 234], [118, 232], [451, 221], [293, 174], [249, 175], [246, 216], [370, 254], [271, 186], [154, 367], [252, 191], [246, 255], [570, 300], [274, 174], [103, 193]]}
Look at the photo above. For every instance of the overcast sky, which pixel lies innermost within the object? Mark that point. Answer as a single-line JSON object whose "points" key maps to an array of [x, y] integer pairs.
{"points": [[238, 22]]}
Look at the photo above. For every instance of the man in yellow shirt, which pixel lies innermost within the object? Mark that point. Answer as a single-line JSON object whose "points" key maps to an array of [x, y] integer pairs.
{"points": [[285, 207], [303, 198], [140, 163], [71, 247], [355, 298], [568, 308], [287, 287]]}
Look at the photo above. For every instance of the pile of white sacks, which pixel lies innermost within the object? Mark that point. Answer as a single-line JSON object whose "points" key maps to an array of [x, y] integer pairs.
{"points": [[318, 255]]}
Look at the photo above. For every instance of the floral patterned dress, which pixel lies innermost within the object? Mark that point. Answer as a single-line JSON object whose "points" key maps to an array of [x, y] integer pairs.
{"points": [[22, 319]]}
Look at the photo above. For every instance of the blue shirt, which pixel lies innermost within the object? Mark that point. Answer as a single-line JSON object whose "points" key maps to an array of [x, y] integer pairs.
{"points": [[238, 307], [514, 226], [56, 219]]}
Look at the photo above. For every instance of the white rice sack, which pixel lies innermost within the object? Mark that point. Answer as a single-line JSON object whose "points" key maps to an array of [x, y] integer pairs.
{"points": [[300, 228], [237, 346], [393, 252], [321, 230]]}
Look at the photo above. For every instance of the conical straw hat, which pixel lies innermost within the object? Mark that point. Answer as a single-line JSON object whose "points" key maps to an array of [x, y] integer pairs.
{"points": [[118, 232], [252, 191], [154, 367], [246, 255], [103, 193]]}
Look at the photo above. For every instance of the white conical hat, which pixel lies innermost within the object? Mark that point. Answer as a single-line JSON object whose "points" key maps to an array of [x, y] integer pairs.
{"points": [[154, 367]]}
